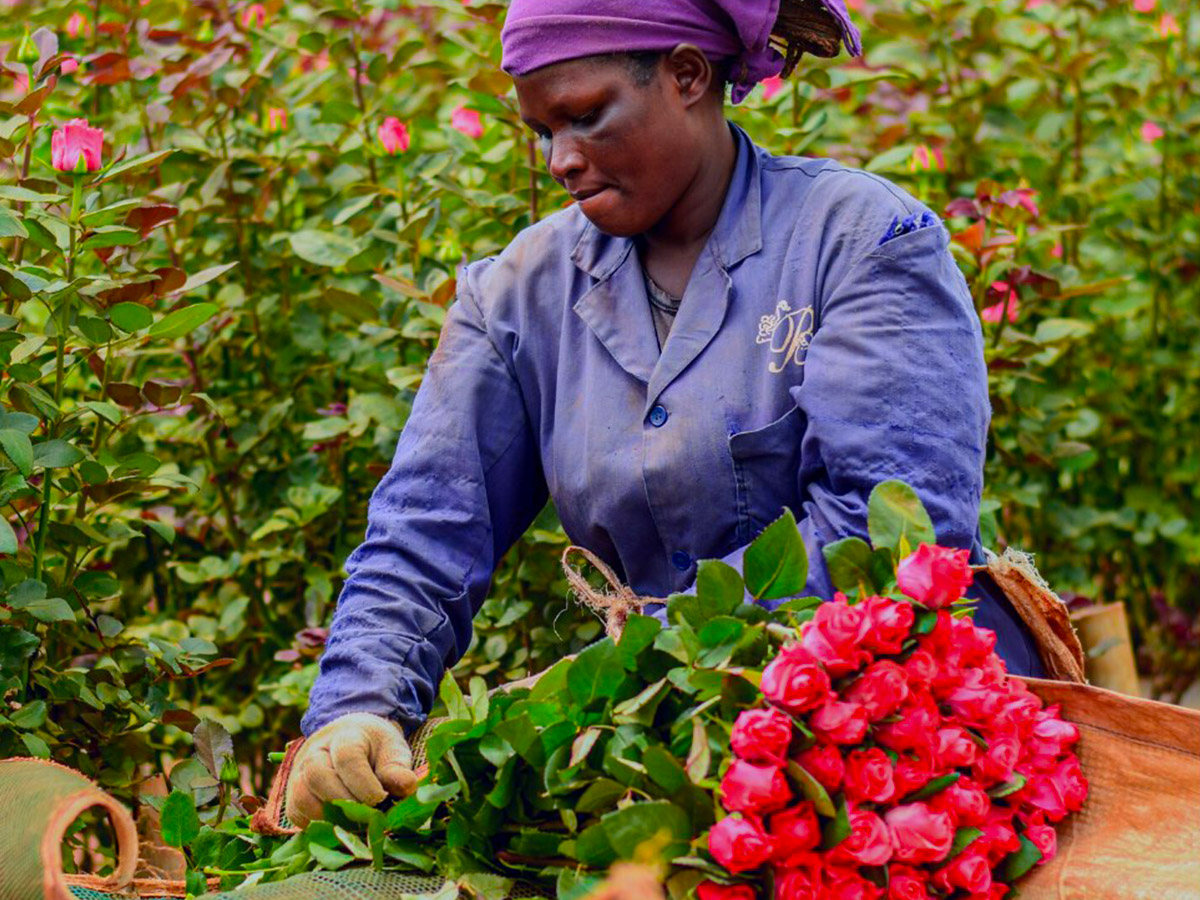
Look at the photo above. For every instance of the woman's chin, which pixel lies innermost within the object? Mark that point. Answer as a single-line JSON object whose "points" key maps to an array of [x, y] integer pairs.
{"points": [[609, 217]]}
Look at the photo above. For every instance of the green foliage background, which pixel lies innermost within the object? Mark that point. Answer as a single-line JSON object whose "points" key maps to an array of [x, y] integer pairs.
{"points": [[204, 370]]}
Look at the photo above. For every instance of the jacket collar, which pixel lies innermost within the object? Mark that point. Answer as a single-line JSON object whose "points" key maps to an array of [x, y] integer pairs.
{"points": [[737, 234]]}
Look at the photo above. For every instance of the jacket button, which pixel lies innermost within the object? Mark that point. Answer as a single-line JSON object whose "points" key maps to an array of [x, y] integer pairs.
{"points": [[658, 416], [681, 560]]}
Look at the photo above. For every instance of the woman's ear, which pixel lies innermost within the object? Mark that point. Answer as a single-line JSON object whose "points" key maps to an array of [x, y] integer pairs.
{"points": [[691, 73]]}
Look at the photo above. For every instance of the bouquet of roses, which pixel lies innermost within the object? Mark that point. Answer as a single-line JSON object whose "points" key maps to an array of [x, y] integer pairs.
{"points": [[892, 756]]}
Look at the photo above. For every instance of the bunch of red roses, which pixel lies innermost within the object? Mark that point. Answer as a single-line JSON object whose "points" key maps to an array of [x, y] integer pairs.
{"points": [[895, 757]]}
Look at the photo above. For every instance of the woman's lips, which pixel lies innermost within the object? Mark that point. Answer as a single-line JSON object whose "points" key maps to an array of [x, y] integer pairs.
{"points": [[581, 196]]}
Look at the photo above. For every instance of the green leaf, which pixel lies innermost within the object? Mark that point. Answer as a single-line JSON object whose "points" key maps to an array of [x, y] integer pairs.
{"points": [[895, 514], [18, 448], [55, 454], [132, 165], [963, 838], [36, 746], [330, 859], [776, 563], [595, 674], [699, 758], [24, 195], [720, 586], [811, 789], [179, 821], [619, 834], [323, 248], [854, 566], [19, 421], [30, 716], [1008, 787], [11, 225], [204, 276], [131, 317], [836, 829], [8, 538], [50, 609], [1050, 331], [452, 696], [933, 787], [110, 236], [183, 321], [1021, 861], [352, 843]]}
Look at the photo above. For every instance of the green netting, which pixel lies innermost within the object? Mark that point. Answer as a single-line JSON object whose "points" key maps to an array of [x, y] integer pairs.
{"points": [[352, 884], [84, 893]]}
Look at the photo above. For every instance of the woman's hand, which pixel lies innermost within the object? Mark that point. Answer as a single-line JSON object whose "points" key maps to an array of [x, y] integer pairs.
{"points": [[359, 756]]}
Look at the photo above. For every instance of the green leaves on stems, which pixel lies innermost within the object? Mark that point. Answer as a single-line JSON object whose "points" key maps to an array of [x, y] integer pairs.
{"points": [[897, 520], [775, 564]]}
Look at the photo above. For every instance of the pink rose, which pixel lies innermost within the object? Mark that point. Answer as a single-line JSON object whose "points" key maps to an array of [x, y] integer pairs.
{"points": [[921, 668], [920, 834], [467, 121], [997, 763], [754, 789], [880, 690], [393, 135], [824, 763], [889, 623], [844, 883], [794, 832], [76, 147], [907, 883], [69, 66], [710, 890], [919, 721], [954, 748], [969, 870], [1045, 839], [912, 773], [835, 636], [277, 119], [965, 800], [839, 723], [999, 836], [771, 86], [869, 776], [762, 736], [869, 841], [1058, 793], [739, 844], [794, 680], [934, 576]]}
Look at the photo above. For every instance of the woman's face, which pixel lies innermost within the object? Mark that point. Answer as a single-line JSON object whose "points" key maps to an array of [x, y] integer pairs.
{"points": [[624, 152]]}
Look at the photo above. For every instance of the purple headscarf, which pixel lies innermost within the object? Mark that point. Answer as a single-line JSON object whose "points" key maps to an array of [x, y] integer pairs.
{"points": [[541, 32]]}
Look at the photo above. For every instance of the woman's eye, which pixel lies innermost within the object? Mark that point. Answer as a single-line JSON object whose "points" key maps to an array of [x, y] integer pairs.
{"points": [[588, 119]]}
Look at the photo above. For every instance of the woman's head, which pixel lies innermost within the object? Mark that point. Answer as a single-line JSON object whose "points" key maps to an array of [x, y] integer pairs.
{"points": [[627, 95]]}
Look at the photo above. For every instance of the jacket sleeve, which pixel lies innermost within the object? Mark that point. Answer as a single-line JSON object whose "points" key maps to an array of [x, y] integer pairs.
{"points": [[465, 482], [894, 386]]}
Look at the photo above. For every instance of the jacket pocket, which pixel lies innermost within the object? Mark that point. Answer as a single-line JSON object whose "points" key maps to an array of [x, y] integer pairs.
{"points": [[766, 467]]}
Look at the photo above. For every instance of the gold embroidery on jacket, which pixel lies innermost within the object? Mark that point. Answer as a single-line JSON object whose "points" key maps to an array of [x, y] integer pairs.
{"points": [[790, 342]]}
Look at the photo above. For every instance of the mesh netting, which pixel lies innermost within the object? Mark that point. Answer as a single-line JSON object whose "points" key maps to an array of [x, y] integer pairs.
{"points": [[85, 893], [352, 884]]}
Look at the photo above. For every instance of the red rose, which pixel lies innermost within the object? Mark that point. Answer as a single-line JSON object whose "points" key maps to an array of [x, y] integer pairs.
{"points": [[906, 883], [965, 800], [969, 870], [801, 881], [754, 789], [835, 636], [762, 736], [710, 890], [739, 844], [920, 834], [1048, 727], [934, 576], [869, 841], [794, 832], [997, 764], [824, 762], [839, 723], [846, 884], [869, 776], [1058, 793], [794, 680], [974, 702], [889, 622], [880, 690], [954, 748], [921, 668], [918, 723], [1044, 839], [999, 836], [911, 773]]}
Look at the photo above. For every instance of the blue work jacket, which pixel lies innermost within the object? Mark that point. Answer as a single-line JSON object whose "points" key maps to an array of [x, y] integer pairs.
{"points": [[826, 342]]}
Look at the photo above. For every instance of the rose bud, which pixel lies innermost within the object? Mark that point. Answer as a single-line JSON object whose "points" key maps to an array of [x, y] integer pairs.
{"points": [[794, 832], [839, 723], [739, 844], [889, 623], [1044, 839], [920, 834], [76, 147], [969, 871], [754, 789], [907, 883], [869, 776], [794, 680], [762, 736], [880, 690], [869, 841], [393, 135], [824, 763], [710, 890], [934, 576]]}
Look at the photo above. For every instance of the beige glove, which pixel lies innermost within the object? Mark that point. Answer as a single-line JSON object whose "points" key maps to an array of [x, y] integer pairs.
{"points": [[359, 756]]}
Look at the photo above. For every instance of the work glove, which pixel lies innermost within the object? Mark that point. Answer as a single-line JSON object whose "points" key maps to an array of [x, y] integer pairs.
{"points": [[358, 756]]}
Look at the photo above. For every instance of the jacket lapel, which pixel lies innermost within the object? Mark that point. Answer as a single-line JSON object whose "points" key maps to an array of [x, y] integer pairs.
{"points": [[617, 311]]}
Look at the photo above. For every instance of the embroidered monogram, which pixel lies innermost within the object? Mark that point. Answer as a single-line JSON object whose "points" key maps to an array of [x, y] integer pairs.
{"points": [[788, 332]]}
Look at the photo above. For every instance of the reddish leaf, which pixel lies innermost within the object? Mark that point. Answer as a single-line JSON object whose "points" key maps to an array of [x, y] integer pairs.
{"points": [[181, 718], [161, 393], [972, 237], [32, 102], [169, 279], [106, 68], [147, 218], [963, 206], [124, 394]]}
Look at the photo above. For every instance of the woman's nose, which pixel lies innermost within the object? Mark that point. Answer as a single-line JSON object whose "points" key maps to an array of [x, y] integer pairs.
{"points": [[563, 158]]}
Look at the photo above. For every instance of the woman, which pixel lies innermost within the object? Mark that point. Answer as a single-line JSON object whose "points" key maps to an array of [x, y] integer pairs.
{"points": [[709, 334]]}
